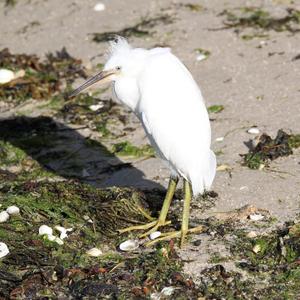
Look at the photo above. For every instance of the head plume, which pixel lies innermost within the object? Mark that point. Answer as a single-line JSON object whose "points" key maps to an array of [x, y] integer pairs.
{"points": [[118, 45]]}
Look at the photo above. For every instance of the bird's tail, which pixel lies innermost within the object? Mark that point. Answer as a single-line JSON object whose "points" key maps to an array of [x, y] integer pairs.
{"points": [[202, 177]]}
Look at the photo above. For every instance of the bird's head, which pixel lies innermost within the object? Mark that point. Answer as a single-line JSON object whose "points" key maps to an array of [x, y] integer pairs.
{"points": [[123, 61]]}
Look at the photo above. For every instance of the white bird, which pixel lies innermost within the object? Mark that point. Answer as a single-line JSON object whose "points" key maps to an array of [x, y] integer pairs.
{"points": [[162, 93]]}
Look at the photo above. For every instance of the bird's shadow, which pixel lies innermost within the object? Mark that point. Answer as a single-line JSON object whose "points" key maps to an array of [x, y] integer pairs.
{"points": [[65, 152]]}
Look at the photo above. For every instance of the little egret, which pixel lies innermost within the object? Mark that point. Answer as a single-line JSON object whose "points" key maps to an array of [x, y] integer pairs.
{"points": [[162, 93]]}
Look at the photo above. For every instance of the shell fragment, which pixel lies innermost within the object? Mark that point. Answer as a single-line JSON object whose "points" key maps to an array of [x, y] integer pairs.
{"points": [[94, 252], [4, 216], [253, 130], [6, 76], [154, 235], [99, 7], [129, 245], [3, 250], [44, 229], [13, 210]]}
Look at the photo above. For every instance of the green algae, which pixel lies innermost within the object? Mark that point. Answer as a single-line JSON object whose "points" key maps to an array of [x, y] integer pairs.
{"points": [[127, 149], [215, 108]]}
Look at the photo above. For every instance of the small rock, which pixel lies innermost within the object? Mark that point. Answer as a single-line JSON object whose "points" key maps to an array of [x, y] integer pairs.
{"points": [[6, 76], [154, 235], [99, 7], [129, 245], [44, 229], [13, 210], [3, 250], [253, 130], [94, 252], [4, 216], [256, 217], [251, 234]]}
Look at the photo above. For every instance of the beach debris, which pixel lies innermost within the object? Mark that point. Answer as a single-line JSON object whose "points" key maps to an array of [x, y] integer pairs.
{"points": [[220, 139], [3, 249], [4, 216], [129, 245], [63, 231], [99, 7], [256, 248], [269, 149], [6, 76], [95, 107], [251, 234], [202, 54], [253, 130], [13, 210], [44, 229], [154, 235], [95, 252], [256, 217], [165, 292]]}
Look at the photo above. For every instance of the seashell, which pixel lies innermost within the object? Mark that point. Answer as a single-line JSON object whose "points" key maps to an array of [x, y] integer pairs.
{"points": [[95, 107], [6, 76], [4, 216], [13, 210], [3, 250], [63, 231], [51, 237], [253, 130], [94, 252], [99, 7], [129, 245], [44, 229], [220, 139], [58, 241], [256, 217], [201, 57], [154, 235]]}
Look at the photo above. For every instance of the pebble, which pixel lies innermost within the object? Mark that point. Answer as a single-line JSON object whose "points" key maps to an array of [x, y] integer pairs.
{"points": [[94, 252], [129, 245], [44, 229], [154, 235], [4, 216], [13, 210], [99, 7], [253, 130], [3, 250]]}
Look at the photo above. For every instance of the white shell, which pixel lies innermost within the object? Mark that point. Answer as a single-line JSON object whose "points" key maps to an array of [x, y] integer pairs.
{"points": [[201, 57], [58, 241], [99, 7], [13, 210], [256, 217], [167, 291], [129, 245], [95, 107], [3, 250], [51, 237], [4, 216], [94, 252], [253, 130], [44, 229], [6, 76], [154, 235], [63, 231], [220, 139]]}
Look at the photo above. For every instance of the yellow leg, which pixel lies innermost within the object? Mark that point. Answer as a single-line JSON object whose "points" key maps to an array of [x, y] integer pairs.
{"points": [[186, 211], [163, 213], [185, 220]]}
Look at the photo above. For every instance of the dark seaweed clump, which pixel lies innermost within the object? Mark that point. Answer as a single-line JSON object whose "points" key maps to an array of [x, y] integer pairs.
{"points": [[140, 29], [256, 18], [42, 79], [269, 149]]}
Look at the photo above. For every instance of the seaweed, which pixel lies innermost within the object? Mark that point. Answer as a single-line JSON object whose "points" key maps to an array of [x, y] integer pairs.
{"points": [[140, 29], [268, 149]]}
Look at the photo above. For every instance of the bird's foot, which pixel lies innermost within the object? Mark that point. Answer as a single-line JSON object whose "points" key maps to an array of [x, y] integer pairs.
{"points": [[154, 225], [176, 234]]}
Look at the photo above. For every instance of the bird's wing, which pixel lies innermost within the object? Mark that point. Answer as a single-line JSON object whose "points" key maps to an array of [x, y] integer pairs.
{"points": [[173, 111]]}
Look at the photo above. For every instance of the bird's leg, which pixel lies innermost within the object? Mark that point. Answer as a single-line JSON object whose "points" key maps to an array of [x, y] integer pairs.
{"points": [[185, 220], [163, 213]]}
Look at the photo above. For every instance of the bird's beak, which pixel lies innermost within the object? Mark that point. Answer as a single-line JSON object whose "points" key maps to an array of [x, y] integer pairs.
{"points": [[101, 77]]}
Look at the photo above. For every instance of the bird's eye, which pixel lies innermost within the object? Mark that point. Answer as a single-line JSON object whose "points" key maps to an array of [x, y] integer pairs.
{"points": [[118, 68]]}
